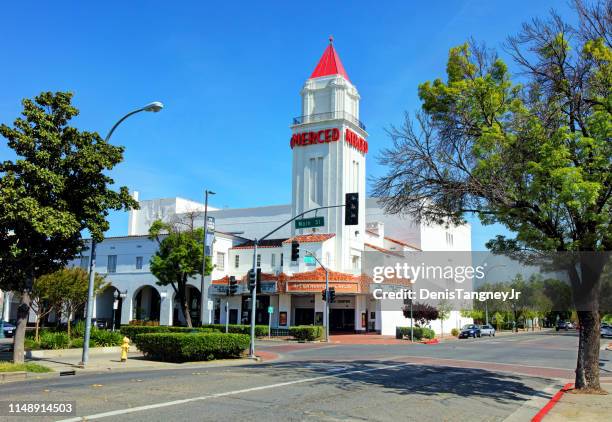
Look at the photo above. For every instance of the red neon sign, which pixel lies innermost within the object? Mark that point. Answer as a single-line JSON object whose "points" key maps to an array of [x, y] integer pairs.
{"points": [[310, 138], [356, 141], [329, 135]]}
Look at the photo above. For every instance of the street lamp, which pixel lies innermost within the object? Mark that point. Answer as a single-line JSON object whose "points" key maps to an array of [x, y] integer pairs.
{"points": [[204, 311], [154, 107]]}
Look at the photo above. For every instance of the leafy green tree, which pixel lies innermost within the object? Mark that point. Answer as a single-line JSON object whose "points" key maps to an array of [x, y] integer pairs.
{"points": [[67, 290], [56, 187], [178, 258], [476, 314], [499, 319], [534, 156]]}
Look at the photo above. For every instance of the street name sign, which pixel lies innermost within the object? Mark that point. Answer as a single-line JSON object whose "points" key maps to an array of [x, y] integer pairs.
{"points": [[306, 223]]}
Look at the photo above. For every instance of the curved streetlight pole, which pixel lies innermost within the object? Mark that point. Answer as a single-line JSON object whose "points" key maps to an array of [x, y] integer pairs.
{"points": [[154, 107]]}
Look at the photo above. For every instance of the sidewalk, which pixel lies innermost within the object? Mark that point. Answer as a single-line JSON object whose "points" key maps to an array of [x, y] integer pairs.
{"points": [[582, 407], [107, 362]]}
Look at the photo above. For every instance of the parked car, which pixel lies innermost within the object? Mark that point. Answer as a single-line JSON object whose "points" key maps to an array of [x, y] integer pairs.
{"points": [[470, 330], [9, 329], [563, 325], [606, 331], [487, 330]]}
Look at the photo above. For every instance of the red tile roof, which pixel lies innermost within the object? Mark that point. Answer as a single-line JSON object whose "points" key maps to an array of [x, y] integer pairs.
{"points": [[387, 251], [310, 238], [329, 64], [400, 242]]}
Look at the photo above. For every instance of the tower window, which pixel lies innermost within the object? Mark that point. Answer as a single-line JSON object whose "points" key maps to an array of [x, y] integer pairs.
{"points": [[315, 168]]}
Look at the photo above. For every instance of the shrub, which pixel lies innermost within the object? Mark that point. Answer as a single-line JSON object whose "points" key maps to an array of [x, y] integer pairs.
{"points": [[78, 330], [454, 332], [419, 333], [131, 331], [183, 347], [105, 338], [306, 332], [77, 343], [30, 344], [49, 340], [260, 330], [144, 323]]}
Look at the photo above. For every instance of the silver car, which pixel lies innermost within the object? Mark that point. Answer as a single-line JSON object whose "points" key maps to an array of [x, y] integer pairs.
{"points": [[487, 330], [606, 331]]}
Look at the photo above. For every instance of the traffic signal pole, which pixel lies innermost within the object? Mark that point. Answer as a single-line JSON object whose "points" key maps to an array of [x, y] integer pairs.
{"points": [[253, 302], [326, 319], [254, 292]]}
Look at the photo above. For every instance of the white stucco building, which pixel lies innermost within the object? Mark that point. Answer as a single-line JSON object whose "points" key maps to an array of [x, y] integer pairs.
{"points": [[328, 145]]}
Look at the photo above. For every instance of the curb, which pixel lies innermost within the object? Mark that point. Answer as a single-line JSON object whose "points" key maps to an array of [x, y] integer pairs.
{"points": [[12, 376], [551, 403]]}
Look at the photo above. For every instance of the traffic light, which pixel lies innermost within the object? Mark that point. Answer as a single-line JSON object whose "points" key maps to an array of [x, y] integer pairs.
{"points": [[252, 279], [332, 294], [351, 209], [324, 295], [295, 250], [233, 286], [255, 280]]}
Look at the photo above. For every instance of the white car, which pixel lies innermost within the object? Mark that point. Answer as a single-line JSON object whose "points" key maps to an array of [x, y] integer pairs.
{"points": [[487, 330]]}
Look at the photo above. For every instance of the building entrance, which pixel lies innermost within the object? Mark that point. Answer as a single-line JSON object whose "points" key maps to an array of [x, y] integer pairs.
{"points": [[342, 320], [304, 316]]}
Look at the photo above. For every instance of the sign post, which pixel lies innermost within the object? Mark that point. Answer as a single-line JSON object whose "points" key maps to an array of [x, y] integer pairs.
{"points": [[270, 312]]}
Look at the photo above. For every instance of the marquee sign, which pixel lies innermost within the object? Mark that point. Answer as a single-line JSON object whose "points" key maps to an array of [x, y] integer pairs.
{"points": [[356, 141], [309, 138], [317, 286], [324, 136]]}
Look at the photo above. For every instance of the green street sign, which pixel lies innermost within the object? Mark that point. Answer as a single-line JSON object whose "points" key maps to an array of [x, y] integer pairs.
{"points": [[270, 310], [309, 260], [306, 223]]}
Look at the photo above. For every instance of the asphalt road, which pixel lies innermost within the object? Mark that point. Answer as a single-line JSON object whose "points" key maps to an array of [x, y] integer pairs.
{"points": [[466, 380]]}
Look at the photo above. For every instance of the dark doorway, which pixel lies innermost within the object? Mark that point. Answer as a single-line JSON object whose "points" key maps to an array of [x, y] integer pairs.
{"points": [[342, 320], [233, 316], [304, 316]]}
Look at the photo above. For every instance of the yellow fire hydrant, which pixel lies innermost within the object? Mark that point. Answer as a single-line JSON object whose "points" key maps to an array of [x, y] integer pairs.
{"points": [[125, 348]]}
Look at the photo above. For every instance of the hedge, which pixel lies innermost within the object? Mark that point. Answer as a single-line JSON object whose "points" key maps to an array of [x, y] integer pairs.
{"points": [[260, 330], [182, 347], [131, 331], [419, 333], [306, 332]]}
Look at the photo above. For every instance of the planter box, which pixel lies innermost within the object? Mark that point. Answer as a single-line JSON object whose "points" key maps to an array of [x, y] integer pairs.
{"points": [[57, 353], [12, 376]]}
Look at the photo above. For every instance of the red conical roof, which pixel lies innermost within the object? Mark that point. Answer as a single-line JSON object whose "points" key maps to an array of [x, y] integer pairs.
{"points": [[329, 64]]}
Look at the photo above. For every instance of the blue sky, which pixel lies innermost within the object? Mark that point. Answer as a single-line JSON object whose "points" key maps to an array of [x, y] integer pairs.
{"points": [[230, 74]]}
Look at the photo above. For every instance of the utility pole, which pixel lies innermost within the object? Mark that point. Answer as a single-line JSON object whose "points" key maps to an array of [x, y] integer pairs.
{"points": [[204, 311]]}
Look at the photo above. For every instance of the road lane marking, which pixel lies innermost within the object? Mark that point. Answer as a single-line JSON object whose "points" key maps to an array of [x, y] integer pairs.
{"points": [[225, 394]]}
